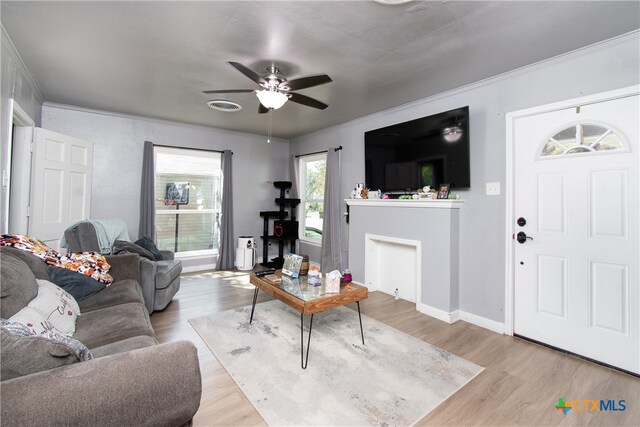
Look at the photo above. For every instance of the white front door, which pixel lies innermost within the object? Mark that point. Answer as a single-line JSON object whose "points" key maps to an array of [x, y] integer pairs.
{"points": [[576, 205], [60, 184]]}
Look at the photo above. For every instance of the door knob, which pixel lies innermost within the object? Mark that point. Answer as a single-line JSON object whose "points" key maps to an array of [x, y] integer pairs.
{"points": [[522, 237], [521, 222]]}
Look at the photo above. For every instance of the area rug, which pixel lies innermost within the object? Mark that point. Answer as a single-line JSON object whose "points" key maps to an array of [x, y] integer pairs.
{"points": [[392, 380]]}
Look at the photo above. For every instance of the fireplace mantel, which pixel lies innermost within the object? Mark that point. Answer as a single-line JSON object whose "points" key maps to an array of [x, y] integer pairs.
{"points": [[420, 203]]}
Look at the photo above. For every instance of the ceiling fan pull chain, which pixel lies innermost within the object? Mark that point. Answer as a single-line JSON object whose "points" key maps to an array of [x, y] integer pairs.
{"points": [[269, 125]]}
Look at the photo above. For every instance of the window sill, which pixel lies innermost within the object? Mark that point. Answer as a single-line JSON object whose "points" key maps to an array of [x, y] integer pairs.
{"points": [[196, 254]]}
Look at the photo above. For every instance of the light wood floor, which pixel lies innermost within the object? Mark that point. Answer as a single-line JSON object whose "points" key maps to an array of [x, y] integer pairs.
{"points": [[520, 385]]}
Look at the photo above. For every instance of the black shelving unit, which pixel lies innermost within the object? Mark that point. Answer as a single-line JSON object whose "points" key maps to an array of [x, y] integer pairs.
{"points": [[282, 230]]}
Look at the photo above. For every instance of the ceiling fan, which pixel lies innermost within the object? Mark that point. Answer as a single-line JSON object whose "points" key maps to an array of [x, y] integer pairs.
{"points": [[275, 89]]}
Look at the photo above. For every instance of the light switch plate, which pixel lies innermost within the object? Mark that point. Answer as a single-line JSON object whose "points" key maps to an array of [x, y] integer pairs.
{"points": [[493, 188]]}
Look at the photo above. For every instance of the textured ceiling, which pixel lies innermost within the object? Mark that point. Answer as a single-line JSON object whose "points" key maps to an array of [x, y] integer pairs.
{"points": [[155, 58]]}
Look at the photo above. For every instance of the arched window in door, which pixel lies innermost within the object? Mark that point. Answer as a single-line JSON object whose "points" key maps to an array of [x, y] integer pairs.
{"points": [[583, 138]]}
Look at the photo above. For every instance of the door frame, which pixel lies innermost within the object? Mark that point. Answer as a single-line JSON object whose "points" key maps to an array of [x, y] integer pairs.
{"points": [[509, 294]]}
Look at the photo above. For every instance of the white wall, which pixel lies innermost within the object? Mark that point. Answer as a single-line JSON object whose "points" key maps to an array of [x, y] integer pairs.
{"points": [[118, 143], [17, 84], [605, 66]]}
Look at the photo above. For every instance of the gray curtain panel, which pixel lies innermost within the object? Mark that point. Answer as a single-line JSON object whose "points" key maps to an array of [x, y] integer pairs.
{"points": [[225, 257], [147, 226], [293, 174], [294, 193], [331, 228]]}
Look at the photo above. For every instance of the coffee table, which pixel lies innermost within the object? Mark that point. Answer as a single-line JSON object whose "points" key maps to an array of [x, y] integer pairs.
{"points": [[306, 299]]}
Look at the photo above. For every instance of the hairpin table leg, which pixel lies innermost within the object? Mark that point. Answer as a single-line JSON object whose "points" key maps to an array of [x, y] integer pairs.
{"points": [[304, 362], [360, 317], [253, 307]]}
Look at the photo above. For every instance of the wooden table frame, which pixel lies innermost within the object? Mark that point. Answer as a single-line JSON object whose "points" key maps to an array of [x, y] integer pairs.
{"points": [[352, 293]]}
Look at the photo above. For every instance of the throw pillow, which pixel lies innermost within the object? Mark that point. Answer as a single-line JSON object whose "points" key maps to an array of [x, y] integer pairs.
{"points": [[18, 285], [23, 353], [52, 310], [78, 285], [150, 245], [124, 247]]}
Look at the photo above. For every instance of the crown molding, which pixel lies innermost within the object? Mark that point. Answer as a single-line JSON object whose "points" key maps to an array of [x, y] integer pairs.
{"points": [[7, 43]]}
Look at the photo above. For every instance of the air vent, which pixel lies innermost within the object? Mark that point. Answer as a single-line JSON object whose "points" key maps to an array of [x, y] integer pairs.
{"points": [[224, 105]]}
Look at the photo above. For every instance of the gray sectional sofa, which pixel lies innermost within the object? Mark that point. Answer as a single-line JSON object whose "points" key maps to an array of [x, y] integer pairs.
{"points": [[131, 380]]}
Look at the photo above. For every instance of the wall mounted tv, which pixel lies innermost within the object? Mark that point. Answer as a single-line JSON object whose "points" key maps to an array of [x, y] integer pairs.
{"points": [[431, 151]]}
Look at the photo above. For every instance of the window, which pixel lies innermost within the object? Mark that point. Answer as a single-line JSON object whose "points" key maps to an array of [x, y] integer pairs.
{"points": [[582, 138], [188, 200], [312, 171]]}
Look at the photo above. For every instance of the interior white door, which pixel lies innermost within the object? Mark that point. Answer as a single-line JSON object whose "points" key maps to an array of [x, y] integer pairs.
{"points": [[60, 184], [576, 271]]}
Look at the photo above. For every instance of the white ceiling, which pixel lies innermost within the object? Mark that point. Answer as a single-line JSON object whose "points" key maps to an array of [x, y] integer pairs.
{"points": [[154, 58]]}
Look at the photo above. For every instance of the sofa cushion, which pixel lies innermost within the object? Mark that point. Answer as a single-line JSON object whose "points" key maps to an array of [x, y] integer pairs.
{"points": [[120, 292], [150, 245], [18, 286], [38, 267], [108, 325], [52, 310], [124, 247], [24, 354], [168, 270], [78, 285]]}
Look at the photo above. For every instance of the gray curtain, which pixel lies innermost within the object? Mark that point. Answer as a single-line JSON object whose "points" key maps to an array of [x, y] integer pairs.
{"points": [[293, 176], [147, 226], [331, 228], [294, 193], [226, 254]]}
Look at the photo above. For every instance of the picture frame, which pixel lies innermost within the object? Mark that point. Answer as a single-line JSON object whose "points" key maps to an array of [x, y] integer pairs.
{"points": [[443, 191], [177, 193], [292, 264]]}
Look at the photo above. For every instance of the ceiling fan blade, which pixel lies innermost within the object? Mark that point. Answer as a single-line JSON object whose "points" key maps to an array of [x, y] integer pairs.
{"points": [[310, 81], [229, 91], [248, 72], [262, 109], [305, 100]]}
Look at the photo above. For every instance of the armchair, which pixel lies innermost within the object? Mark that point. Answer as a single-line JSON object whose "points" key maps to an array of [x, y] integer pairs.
{"points": [[160, 280]]}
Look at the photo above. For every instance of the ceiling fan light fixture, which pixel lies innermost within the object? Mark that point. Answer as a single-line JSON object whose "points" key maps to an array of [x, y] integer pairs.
{"points": [[271, 99]]}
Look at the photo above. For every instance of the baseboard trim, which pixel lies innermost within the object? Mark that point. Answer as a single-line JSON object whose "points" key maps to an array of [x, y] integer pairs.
{"points": [[435, 312], [456, 315], [483, 322]]}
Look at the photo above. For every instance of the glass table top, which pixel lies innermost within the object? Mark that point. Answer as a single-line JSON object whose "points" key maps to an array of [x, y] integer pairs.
{"points": [[300, 288]]}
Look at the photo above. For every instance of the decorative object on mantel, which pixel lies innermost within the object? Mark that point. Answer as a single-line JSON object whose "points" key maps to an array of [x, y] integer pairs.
{"points": [[443, 192]]}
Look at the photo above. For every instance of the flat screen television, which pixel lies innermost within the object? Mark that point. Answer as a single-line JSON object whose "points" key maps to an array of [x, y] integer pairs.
{"points": [[432, 150]]}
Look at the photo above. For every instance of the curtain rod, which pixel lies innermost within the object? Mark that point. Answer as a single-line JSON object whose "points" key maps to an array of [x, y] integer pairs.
{"points": [[318, 152], [188, 148]]}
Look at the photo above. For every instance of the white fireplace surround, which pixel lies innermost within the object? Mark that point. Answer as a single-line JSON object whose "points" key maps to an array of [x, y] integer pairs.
{"points": [[421, 235], [393, 264]]}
